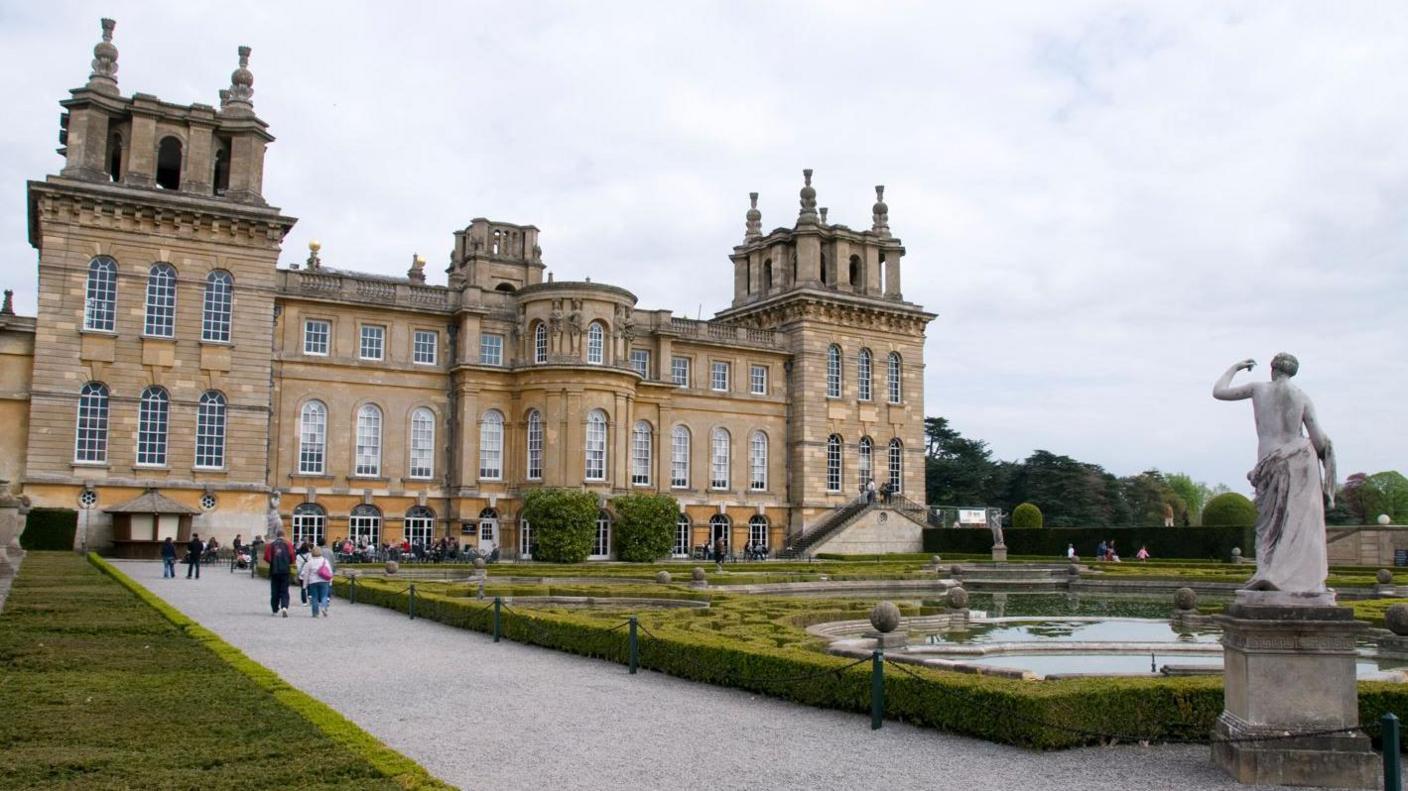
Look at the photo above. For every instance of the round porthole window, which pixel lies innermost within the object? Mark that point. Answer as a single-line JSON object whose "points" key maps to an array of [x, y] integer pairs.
{"points": [[207, 502], [87, 499]]}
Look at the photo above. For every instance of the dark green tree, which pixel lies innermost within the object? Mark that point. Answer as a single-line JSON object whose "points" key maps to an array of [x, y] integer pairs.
{"points": [[645, 526], [958, 470], [564, 523]]}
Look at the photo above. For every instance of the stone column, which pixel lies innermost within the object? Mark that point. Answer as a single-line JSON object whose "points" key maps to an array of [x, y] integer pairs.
{"points": [[1289, 667]]}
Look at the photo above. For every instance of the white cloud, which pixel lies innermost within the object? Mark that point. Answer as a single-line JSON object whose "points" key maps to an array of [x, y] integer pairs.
{"points": [[1106, 203]]}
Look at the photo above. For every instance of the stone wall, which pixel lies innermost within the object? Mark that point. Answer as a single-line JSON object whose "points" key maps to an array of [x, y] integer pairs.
{"points": [[1366, 545], [879, 531]]}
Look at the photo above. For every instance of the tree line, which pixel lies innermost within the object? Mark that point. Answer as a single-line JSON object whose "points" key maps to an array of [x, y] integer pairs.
{"points": [[961, 471]]}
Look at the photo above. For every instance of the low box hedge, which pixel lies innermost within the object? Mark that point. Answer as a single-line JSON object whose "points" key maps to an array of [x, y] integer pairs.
{"points": [[1042, 715], [49, 529], [1211, 543]]}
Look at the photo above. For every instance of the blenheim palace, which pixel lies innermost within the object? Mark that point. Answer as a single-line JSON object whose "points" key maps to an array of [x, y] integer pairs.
{"points": [[176, 378]]}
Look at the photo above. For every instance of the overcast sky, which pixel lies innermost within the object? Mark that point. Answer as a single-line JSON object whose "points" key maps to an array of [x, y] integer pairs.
{"points": [[1106, 203]]}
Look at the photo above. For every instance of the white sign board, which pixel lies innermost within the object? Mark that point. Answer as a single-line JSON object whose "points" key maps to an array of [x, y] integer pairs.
{"points": [[972, 516]]}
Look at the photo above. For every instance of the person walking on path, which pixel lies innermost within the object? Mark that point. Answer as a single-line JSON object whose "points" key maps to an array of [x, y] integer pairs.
{"points": [[279, 555], [720, 549], [194, 548], [168, 558], [303, 555], [317, 583]]}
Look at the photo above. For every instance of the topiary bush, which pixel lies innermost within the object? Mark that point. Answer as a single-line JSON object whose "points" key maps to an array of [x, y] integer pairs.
{"points": [[1026, 515], [50, 528], [564, 523], [645, 526], [1229, 509]]}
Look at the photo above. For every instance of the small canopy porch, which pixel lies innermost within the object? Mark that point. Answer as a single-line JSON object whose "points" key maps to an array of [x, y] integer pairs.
{"points": [[140, 525]]}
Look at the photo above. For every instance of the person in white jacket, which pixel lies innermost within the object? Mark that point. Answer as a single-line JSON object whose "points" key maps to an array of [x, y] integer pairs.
{"points": [[317, 582]]}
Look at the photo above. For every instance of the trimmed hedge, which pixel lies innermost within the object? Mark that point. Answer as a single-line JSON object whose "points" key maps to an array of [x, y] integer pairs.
{"points": [[1026, 515], [644, 531], [50, 529], [1044, 715], [1229, 509], [1213, 543], [564, 523]]}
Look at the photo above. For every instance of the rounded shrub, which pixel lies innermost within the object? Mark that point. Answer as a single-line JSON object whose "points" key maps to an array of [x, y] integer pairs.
{"points": [[1229, 509], [564, 523], [1026, 515], [645, 526]]}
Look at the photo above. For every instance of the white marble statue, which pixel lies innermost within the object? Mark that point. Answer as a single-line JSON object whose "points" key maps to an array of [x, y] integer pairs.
{"points": [[272, 522], [1290, 488], [995, 525]]}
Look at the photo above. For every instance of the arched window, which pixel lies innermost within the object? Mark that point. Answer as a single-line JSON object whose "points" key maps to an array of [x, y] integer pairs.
{"points": [[100, 302], [719, 525], [220, 183], [540, 343], [491, 445], [601, 543], [114, 159], [596, 445], [896, 466], [767, 275], [865, 460], [168, 164], [161, 300], [364, 525], [892, 378], [152, 417], [215, 311], [422, 444], [309, 524], [681, 548], [368, 441], [506, 288], [719, 458], [833, 463], [535, 446], [596, 343], [420, 525], [488, 530], [854, 273], [864, 377], [828, 278], [679, 457], [641, 454], [91, 439], [833, 371], [758, 462], [758, 531], [312, 438], [210, 430]]}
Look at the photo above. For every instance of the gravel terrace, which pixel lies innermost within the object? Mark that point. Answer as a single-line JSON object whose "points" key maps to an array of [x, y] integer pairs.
{"points": [[482, 715]]}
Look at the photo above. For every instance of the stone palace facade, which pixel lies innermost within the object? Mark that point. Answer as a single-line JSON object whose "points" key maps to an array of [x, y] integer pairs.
{"points": [[172, 355]]}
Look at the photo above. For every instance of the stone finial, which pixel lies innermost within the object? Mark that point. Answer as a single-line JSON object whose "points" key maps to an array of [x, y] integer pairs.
{"points": [[8, 309], [808, 195], [239, 97], [881, 212], [314, 262], [754, 226], [104, 76], [823, 210], [417, 270]]}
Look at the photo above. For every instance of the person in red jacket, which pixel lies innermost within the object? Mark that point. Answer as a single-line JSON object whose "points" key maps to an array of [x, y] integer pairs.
{"points": [[279, 555]]}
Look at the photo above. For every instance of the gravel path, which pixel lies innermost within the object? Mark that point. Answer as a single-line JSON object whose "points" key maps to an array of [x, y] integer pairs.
{"points": [[482, 715]]}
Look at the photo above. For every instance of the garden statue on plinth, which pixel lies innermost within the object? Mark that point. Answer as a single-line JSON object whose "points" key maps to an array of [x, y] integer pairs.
{"points": [[999, 548], [1288, 651], [272, 521]]}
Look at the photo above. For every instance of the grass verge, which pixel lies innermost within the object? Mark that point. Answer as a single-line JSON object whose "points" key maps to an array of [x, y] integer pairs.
{"points": [[103, 687]]}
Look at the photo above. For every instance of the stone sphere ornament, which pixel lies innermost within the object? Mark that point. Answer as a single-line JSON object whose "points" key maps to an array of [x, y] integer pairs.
{"points": [[663, 578], [1236, 554], [1073, 570], [955, 571], [392, 567], [956, 598], [1185, 599], [1396, 617], [697, 574], [1384, 519], [937, 560], [1384, 576], [479, 563], [885, 617]]}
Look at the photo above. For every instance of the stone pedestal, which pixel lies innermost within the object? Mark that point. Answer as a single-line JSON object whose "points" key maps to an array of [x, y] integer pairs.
{"points": [[999, 552], [888, 640], [1289, 668]]}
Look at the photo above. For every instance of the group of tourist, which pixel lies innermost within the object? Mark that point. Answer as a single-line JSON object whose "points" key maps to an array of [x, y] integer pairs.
{"points": [[1105, 550], [197, 552], [310, 565], [445, 550], [868, 490]]}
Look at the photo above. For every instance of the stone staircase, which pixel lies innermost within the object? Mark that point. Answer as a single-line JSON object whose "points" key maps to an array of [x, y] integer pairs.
{"points": [[834, 523]]}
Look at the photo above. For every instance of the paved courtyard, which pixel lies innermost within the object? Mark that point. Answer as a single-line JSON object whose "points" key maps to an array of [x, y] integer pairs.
{"points": [[482, 715]]}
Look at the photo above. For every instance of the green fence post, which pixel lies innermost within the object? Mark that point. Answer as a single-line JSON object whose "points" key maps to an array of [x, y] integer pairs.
{"points": [[412, 607], [1393, 772], [877, 690], [498, 623], [634, 661]]}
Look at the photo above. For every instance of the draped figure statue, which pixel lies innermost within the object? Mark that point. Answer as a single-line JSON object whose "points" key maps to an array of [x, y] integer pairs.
{"points": [[1290, 486]]}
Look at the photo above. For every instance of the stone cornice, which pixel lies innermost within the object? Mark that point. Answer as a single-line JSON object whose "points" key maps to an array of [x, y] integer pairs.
{"points": [[154, 212], [831, 306]]}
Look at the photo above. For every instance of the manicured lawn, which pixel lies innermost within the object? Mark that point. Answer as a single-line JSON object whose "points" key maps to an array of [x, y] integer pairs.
{"points": [[98, 690]]}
